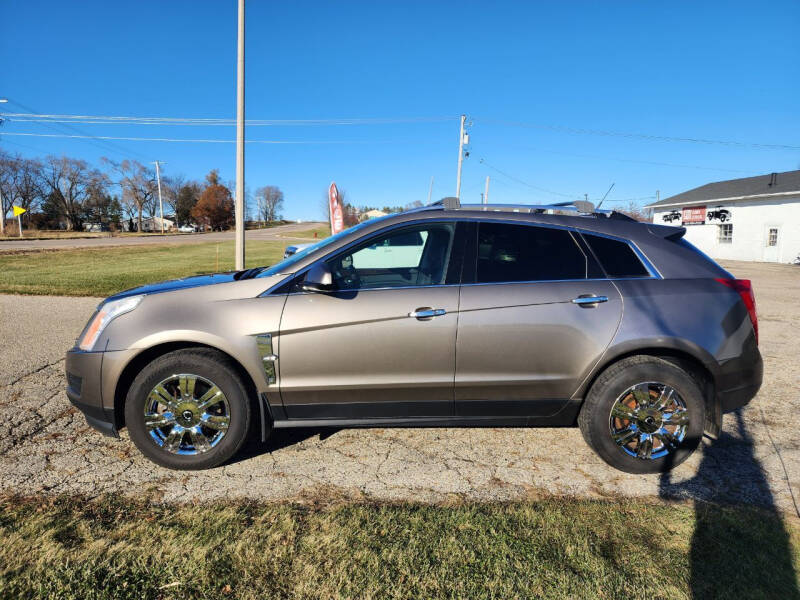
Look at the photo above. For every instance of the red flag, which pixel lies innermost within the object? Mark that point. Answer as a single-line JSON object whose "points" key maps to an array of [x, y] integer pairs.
{"points": [[336, 210]]}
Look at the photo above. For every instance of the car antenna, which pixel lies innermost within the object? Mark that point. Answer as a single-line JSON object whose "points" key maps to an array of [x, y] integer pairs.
{"points": [[604, 197]]}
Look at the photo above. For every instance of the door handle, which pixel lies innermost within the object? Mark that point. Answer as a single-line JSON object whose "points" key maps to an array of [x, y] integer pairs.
{"points": [[589, 300], [424, 313]]}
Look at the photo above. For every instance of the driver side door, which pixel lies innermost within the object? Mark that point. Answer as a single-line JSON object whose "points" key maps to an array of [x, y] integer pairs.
{"points": [[382, 343]]}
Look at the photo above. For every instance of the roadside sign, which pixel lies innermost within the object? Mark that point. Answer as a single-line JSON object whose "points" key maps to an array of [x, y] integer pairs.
{"points": [[18, 210], [694, 215], [336, 210]]}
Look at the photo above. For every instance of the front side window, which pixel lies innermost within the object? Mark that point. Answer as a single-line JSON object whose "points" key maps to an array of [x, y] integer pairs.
{"points": [[509, 253], [287, 265], [725, 233], [412, 256]]}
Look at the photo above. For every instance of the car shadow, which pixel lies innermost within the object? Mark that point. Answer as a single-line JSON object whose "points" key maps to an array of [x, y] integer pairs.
{"points": [[278, 439], [735, 554]]}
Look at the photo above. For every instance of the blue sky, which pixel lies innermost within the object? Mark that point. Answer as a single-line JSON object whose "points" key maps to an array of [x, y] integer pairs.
{"points": [[722, 71]]}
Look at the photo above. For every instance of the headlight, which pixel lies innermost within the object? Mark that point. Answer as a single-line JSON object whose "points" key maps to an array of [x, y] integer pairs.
{"points": [[108, 312]]}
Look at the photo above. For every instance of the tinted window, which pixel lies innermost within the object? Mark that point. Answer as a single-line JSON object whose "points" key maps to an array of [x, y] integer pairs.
{"points": [[618, 258], [525, 253], [413, 256]]}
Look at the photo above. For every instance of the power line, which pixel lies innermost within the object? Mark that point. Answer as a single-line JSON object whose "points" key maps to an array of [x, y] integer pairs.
{"points": [[131, 120], [643, 162], [187, 140], [643, 136], [116, 149], [525, 183], [573, 196]]}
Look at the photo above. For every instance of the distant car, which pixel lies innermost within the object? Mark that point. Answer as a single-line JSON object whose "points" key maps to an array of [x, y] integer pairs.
{"points": [[434, 317], [294, 249], [672, 216], [186, 229], [719, 213]]}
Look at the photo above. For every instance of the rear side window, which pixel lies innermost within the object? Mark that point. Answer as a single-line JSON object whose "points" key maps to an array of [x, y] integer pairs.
{"points": [[617, 258], [509, 253]]}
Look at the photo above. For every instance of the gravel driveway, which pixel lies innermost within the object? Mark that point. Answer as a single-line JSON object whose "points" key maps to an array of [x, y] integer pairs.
{"points": [[46, 447]]}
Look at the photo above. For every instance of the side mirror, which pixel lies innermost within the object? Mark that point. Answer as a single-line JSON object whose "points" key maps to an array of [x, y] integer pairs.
{"points": [[318, 279]]}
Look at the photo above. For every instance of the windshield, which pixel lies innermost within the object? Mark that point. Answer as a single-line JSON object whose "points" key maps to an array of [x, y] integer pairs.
{"points": [[287, 264]]}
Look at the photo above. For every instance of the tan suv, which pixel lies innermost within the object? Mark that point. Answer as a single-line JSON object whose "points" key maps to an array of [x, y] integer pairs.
{"points": [[462, 316]]}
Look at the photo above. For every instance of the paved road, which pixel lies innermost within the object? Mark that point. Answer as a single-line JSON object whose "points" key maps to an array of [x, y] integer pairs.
{"points": [[281, 232], [46, 447]]}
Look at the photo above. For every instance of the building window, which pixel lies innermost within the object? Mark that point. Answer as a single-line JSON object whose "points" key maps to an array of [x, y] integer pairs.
{"points": [[772, 237], [725, 233]]}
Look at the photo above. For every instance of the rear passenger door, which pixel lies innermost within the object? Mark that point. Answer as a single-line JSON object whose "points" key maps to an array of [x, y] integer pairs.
{"points": [[536, 314]]}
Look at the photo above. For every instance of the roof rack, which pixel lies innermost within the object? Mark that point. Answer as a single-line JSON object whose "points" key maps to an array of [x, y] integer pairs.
{"points": [[579, 207]]}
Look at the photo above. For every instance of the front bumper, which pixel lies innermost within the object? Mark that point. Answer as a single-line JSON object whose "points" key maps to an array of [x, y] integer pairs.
{"points": [[84, 389]]}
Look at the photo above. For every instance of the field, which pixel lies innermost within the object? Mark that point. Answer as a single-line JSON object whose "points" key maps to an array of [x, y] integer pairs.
{"points": [[104, 271], [111, 548]]}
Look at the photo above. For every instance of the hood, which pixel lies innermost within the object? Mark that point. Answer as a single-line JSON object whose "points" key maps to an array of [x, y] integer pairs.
{"points": [[178, 284]]}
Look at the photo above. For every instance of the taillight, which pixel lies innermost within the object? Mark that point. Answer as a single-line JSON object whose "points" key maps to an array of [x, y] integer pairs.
{"points": [[745, 290]]}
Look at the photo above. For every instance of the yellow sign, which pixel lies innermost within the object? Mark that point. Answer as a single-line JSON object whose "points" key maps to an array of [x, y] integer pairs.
{"points": [[18, 210]]}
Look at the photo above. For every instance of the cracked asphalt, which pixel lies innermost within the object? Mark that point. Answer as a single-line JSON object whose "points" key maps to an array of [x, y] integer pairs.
{"points": [[47, 448]]}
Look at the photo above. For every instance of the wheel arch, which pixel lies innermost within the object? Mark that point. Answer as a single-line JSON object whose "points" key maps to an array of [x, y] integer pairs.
{"points": [[683, 358], [146, 356]]}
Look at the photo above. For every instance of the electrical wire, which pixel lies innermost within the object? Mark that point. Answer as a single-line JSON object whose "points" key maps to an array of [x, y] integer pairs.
{"points": [[105, 145], [186, 140], [572, 196], [113, 120], [643, 136], [643, 162], [530, 185]]}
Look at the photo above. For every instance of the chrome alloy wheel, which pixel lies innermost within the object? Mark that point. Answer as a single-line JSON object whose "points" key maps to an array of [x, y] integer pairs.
{"points": [[649, 420], [186, 414]]}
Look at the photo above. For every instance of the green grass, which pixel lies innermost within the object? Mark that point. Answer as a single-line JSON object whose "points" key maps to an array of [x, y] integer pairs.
{"points": [[66, 547], [104, 271], [321, 232]]}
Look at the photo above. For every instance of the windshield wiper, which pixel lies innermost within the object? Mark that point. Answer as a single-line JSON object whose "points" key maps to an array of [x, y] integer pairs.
{"points": [[247, 273]]}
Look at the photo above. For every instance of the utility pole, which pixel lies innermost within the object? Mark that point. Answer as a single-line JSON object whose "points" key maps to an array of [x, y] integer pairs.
{"points": [[160, 203], [430, 190], [460, 155], [2, 208], [486, 192], [239, 205]]}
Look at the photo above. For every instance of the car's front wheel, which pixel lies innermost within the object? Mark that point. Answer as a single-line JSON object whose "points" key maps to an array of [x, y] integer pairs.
{"points": [[188, 409], [644, 415]]}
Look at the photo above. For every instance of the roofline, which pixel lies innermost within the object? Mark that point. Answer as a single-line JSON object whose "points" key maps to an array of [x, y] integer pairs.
{"points": [[664, 203]]}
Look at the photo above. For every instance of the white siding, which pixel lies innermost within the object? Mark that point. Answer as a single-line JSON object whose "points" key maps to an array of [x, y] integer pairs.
{"points": [[751, 222]]}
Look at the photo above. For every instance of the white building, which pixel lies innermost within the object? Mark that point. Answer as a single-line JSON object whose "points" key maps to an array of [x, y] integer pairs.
{"points": [[153, 224], [754, 218], [371, 214]]}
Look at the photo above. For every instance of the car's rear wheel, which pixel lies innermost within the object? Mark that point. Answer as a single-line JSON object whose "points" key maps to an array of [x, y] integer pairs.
{"points": [[188, 409], [644, 415]]}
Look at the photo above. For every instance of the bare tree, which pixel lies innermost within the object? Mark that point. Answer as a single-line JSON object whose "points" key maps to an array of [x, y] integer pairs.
{"points": [[171, 187], [8, 174], [68, 183], [138, 183], [634, 211], [270, 202]]}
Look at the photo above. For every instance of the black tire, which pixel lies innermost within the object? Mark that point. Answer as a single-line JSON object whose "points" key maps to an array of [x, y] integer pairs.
{"points": [[206, 363], [595, 413]]}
